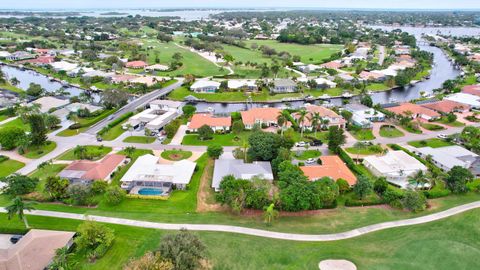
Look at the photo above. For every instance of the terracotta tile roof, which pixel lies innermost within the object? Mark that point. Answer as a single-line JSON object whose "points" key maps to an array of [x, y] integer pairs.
{"points": [[325, 112], [472, 90], [263, 114], [123, 78], [370, 75], [201, 119], [333, 167], [413, 108], [136, 64], [97, 170], [332, 65], [446, 106]]}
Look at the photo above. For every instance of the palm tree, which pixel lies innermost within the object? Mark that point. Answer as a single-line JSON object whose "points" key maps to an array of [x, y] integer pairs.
{"points": [[245, 148], [270, 214], [301, 119], [129, 151], [14, 81], [315, 119], [419, 178], [23, 142], [80, 151], [18, 207], [60, 262], [325, 122], [283, 118]]}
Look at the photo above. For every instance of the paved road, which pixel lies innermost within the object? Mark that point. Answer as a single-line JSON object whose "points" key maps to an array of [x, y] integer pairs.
{"points": [[133, 105], [263, 233]]}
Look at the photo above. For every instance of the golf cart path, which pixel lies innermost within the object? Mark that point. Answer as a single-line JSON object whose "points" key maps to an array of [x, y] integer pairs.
{"points": [[263, 233]]}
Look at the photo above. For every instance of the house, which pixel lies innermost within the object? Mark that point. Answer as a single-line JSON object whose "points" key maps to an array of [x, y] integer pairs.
{"points": [[472, 90], [86, 171], [63, 66], [471, 100], [308, 68], [122, 78], [20, 55], [4, 54], [205, 86], [332, 65], [450, 156], [160, 113], [249, 85], [333, 119], [414, 111], [49, 52], [35, 250], [136, 64], [260, 116], [41, 60], [62, 113], [395, 166], [283, 86], [148, 172], [97, 73], [240, 170], [322, 83], [372, 76], [332, 167], [346, 77], [447, 106], [79, 71], [148, 80], [216, 123], [363, 116], [48, 103]]}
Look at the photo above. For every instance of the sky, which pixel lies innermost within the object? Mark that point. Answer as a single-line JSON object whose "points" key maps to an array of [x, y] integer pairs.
{"points": [[353, 4]]}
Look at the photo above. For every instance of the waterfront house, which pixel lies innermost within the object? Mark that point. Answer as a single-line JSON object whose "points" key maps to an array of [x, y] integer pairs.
{"points": [[205, 86], [331, 117], [249, 85], [414, 111], [261, 116], [216, 123], [283, 86], [136, 64], [86, 171]]}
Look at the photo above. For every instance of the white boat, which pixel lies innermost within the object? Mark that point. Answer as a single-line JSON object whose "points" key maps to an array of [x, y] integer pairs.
{"points": [[347, 95]]}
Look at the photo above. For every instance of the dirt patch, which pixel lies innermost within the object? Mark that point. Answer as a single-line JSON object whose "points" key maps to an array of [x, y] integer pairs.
{"points": [[205, 194]]}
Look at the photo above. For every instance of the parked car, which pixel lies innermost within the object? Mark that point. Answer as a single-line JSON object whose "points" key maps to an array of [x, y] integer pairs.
{"points": [[15, 238], [300, 144], [316, 143], [161, 138], [442, 136], [310, 161], [110, 117], [99, 139]]}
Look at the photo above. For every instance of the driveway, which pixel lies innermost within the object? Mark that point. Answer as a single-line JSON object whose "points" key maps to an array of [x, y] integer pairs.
{"points": [[177, 139]]}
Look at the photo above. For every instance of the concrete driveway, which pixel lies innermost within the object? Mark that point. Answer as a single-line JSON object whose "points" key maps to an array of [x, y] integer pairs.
{"points": [[177, 139]]}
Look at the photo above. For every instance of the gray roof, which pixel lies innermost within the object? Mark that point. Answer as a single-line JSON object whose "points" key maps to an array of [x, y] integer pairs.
{"points": [[239, 169], [355, 107], [284, 83]]}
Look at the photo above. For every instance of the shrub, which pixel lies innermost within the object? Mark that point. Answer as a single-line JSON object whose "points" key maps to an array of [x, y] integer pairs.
{"points": [[75, 126], [414, 201], [183, 249], [79, 194], [9, 137], [99, 187], [343, 185], [94, 238], [17, 184], [114, 195], [380, 185], [214, 151]]}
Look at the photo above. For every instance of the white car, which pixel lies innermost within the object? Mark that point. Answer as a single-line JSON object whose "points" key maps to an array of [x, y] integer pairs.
{"points": [[310, 161], [442, 136], [301, 144]]}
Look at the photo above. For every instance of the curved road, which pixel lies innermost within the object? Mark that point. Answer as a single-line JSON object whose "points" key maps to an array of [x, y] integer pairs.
{"points": [[263, 233]]}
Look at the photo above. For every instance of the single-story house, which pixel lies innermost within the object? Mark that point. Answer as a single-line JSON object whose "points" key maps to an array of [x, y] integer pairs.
{"points": [[79, 71], [205, 86], [346, 77], [283, 86], [62, 113], [472, 90], [261, 116], [447, 106], [249, 85], [333, 118], [332, 65], [309, 68], [332, 167], [35, 250], [471, 100], [63, 66], [47, 103], [241, 170], [395, 166], [123, 78], [136, 64], [4, 54], [20, 55], [97, 73], [217, 123], [160, 113], [41, 60], [372, 76], [363, 116], [449, 156], [322, 83], [414, 111], [148, 172], [86, 171]]}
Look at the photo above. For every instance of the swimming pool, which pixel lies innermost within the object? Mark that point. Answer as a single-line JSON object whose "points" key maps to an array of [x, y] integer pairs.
{"points": [[150, 191]]}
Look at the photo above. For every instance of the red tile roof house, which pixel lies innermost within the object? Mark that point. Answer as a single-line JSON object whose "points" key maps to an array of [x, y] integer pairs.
{"points": [[332, 65], [372, 76], [472, 90], [447, 106], [216, 123], [261, 116], [136, 64], [332, 167], [85, 171], [333, 118], [416, 111], [41, 60]]}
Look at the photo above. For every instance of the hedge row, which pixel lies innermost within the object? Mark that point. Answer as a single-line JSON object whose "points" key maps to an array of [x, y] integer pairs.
{"points": [[353, 203], [350, 163], [115, 122]]}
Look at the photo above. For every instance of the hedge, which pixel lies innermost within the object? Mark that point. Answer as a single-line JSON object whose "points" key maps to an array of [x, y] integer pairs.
{"points": [[350, 163], [353, 203], [115, 122]]}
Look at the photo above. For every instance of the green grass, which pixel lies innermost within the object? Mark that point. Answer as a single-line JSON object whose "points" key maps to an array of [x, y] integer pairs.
{"points": [[432, 127], [451, 243], [17, 123], [304, 155], [444, 121], [34, 152], [228, 139], [10, 87], [114, 132], [86, 123], [45, 172], [433, 143], [377, 87], [139, 139], [390, 132], [368, 150], [176, 155], [362, 134], [10, 166], [97, 152]]}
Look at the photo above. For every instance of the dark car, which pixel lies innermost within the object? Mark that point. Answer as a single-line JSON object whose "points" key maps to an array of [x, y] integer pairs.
{"points": [[99, 139], [316, 143], [14, 239]]}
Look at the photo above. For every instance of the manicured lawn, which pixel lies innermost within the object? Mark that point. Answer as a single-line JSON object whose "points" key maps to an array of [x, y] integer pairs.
{"points": [[34, 152], [434, 143], [444, 121], [432, 127], [175, 155], [390, 132], [228, 139], [95, 151], [139, 139], [114, 132], [10, 166], [86, 123], [45, 172], [377, 87], [367, 150], [363, 134], [304, 155], [17, 123]]}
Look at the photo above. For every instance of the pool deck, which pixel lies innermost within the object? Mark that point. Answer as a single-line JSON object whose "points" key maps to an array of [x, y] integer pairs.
{"points": [[135, 190]]}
